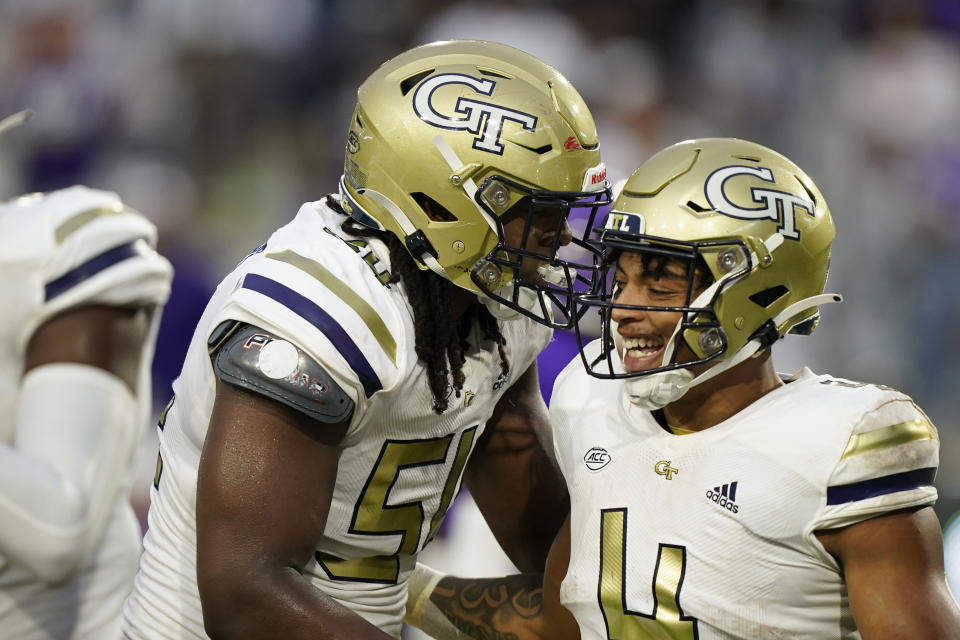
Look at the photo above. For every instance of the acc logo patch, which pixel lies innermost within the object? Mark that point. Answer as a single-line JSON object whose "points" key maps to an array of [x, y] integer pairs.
{"points": [[596, 458], [483, 119], [777, 206]]}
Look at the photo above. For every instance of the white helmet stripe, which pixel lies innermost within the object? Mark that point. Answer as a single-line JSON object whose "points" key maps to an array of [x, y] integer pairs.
{"points": [[468, 184]]}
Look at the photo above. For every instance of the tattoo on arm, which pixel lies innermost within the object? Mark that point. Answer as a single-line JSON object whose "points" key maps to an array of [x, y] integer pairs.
{"points": [[508, 608]]}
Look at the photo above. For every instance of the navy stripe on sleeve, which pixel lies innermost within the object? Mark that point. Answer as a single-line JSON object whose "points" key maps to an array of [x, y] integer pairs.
{"points": [[843, 493], [312, 313], [88, 269]]}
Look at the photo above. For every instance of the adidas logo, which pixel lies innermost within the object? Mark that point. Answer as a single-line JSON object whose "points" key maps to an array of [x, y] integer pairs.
{"points": [[725, 496]]}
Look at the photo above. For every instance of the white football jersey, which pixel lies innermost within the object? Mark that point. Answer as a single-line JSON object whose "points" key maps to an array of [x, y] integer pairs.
{"points": [[711, 534], [58, 251], [327, 292]]}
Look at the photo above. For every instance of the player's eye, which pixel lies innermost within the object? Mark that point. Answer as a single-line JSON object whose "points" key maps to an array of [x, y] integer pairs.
{"points": [[618, 286]]}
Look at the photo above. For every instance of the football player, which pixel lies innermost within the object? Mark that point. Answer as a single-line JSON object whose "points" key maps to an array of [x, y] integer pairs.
{"points": [[375, 352], [710, 496], [82, 290]]}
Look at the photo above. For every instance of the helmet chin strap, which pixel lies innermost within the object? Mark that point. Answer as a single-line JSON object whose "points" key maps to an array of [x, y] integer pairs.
{"points": [[405, 226], [657, 390], [660, 389]]}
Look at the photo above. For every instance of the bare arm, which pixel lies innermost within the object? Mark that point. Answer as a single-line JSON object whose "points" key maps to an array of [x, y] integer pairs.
{"points": [[265, 483], [513, 478], [518, 607], [893, 567], [109, 338]]}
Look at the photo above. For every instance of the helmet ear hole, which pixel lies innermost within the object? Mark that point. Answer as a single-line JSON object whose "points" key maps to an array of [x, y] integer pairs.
{"points": [[767, 297], [434, 210], [413, 81], [806, 327]]}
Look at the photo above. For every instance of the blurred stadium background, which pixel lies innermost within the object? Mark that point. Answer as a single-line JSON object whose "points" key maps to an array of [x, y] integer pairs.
{"points": [[217, 118]]}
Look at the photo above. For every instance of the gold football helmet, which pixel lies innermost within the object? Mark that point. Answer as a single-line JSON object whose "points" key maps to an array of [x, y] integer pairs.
{"points": [[749, 217], [449, 140]]}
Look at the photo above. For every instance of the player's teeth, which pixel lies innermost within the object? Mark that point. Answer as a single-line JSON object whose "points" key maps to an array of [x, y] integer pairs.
{"points": [[641, 343]]}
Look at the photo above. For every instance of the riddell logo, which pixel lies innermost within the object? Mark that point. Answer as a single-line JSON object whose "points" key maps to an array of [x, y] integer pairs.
{"points": [[725, 496], [594, 176], [599, 177], [597, 458]]}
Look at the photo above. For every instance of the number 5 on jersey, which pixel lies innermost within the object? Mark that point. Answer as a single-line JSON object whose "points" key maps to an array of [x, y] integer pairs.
{"points": [[667, 621], [374, 516]]}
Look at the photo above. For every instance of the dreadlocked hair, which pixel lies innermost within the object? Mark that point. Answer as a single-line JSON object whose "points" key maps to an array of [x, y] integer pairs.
{"points": [[441, 344]]}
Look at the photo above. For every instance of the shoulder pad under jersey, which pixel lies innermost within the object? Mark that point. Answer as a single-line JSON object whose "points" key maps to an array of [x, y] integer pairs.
{"points": [[259, 361]]}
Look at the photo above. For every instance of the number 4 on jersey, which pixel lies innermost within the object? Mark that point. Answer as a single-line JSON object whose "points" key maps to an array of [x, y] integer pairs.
{"points": [[667, 621]]}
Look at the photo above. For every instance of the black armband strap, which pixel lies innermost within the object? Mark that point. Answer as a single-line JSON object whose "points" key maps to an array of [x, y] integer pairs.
{"points": [[259, 361]]}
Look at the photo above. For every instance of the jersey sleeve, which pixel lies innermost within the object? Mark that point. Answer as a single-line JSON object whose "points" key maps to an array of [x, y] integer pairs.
{"points": [[102, 253], [329, 304], [889, 462], [525, 340]]}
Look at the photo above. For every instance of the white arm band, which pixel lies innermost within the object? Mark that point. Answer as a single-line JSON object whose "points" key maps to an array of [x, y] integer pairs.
{"points": [[424, 614], [75, 435]]}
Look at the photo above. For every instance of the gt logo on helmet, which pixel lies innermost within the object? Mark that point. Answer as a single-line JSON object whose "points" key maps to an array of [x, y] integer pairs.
{"points": [[487, 129], [777, 206]]}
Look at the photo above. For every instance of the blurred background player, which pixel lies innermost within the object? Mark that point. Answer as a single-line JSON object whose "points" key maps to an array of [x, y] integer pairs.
{"points": [[374, 351], [710, 496], [83, 289]]}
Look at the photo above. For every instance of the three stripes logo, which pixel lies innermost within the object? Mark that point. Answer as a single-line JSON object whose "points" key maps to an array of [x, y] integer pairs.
{"points": [[726, 496]]}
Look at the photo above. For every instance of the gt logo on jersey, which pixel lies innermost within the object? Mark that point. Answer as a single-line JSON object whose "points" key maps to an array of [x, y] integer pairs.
{"points": [[663, 468], [483, 119], [777, 206]]}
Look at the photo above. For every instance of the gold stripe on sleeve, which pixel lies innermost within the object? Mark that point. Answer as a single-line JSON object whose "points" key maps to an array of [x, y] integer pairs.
{"points": [[897, 434], [73, 223], [339, 288]]}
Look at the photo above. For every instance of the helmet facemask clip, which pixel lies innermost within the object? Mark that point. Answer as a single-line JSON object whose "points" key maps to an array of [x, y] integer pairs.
{"points": [[418, 246]]}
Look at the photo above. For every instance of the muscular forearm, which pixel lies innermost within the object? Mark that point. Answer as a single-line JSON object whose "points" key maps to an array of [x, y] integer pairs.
{"points": [[280, 604], [508, 608], [514, 479], [521, 494]]}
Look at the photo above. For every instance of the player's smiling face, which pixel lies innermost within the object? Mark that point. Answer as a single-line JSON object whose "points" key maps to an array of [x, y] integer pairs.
{"points": [[645, 332]]}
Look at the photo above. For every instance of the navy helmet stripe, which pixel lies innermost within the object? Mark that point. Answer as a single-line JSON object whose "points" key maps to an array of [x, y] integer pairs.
{"points": [[88, 269], [312, 313], [843, 493]]}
